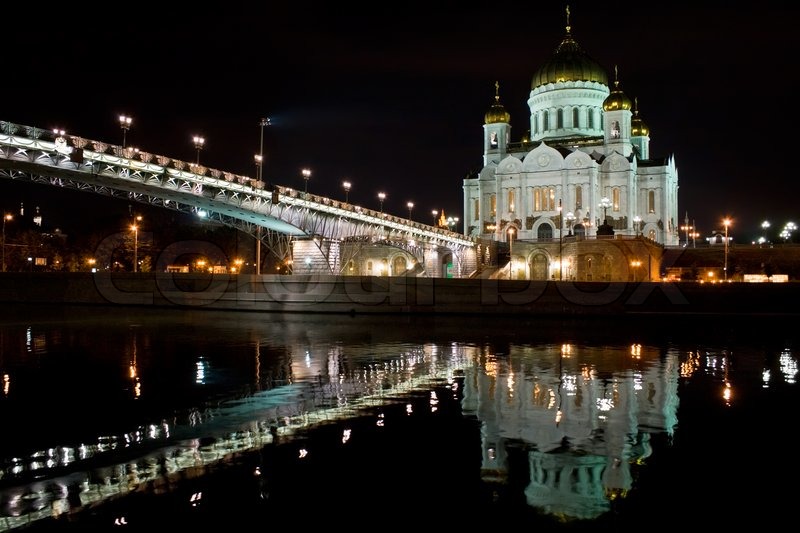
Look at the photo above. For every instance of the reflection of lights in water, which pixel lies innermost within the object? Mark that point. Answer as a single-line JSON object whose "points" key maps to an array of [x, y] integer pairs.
{"points": [[28, 339], [605, 404], [308, 359], [195, 498], [510, 384], [765, 377], [636, 351], [380, 420], [303, 453], [409, 409], [637, 381], [6, 383], [346, 435], [570, 385], [690, 365], [201, 371], [788, 366], [434, 402], [491, 453], [566, 350], [559, 414], [551, 399], [257, 471], [120, 521], [137, 389], [727, 393], [490, 367]]}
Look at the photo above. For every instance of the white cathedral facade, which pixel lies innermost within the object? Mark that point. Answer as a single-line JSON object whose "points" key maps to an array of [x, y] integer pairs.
{"points": [[582, 168]]}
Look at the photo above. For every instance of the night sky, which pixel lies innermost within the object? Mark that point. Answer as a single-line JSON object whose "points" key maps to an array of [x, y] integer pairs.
{"points": [[392, 97]]}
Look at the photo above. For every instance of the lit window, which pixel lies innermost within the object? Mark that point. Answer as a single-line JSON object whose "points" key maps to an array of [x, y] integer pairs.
{"points": [[578, 197], [537, 200], [651, 201], [493, 203], [511, 200], [615, 198]]}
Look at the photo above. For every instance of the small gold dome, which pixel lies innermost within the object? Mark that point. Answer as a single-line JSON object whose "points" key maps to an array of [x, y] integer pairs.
{"points": [[497, 114], [617, 99], [638, 127]]}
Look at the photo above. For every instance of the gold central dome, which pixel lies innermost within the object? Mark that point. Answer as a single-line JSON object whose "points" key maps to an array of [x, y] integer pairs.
{"points": [[569, 63]]}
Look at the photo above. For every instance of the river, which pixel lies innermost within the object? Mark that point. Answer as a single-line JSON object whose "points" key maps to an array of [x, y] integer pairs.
{"points": [[133, 418]]}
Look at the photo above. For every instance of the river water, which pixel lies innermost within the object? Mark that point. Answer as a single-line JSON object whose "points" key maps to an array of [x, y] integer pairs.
{"points": [[141, 419]]}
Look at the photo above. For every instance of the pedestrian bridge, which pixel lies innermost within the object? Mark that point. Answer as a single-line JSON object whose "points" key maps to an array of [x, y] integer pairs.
{"points": [[335, 234]]}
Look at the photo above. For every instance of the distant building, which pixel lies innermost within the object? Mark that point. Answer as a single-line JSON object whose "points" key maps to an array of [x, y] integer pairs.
{"points": [[583, 168]]}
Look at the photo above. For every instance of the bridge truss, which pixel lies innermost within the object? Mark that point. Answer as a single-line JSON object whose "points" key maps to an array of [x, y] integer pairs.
{"points": [[274, 216]]}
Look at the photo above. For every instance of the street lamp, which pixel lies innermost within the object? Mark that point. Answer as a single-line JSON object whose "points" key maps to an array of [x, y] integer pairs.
{"points": [[346, 186], [570, 216], [637, 221], [306, 176], [765, 227], [135, 229], [265, 121], [510, 241], [727, 223], [381, 198], [125, 124], [434, 213], [6, 217], [199, 142], [605, 203], [635, 264], [410, 206]]}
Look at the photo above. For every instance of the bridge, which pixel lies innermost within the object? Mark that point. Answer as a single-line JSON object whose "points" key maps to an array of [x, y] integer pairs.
{"points": [[326, 236]]}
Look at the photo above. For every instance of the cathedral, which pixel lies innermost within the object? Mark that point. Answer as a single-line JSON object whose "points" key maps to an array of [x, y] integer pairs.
{"points": [[582, 173]]}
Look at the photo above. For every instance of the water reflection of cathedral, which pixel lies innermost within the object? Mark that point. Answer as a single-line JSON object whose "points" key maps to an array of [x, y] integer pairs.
{"points": [[584, 417]]}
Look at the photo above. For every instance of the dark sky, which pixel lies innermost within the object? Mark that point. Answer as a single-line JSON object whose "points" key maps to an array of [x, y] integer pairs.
{"points": [[392, 96]]}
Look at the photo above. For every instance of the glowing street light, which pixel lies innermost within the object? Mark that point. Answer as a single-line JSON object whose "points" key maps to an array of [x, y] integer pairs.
{"points": [[510, 240], [636, 263], [381, 198], [605, 203], [125, 124], [726, 222], [306, 172], [346, 186], [6, 218], [135, 229], [434, 213], [410, 206], [637, 224], [570, 216], [199, 142]]}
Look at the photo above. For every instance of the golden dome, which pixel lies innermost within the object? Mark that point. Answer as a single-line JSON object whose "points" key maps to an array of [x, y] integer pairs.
{"points": [[638, 127], [617, 99], [569, 63], [497, 113]]}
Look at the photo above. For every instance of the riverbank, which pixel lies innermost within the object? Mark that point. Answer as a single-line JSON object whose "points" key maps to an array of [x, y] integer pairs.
{"points": [[397, 295]]}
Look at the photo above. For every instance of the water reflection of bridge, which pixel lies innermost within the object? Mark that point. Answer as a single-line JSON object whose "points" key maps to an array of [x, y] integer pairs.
{"points": [[584, 417]]}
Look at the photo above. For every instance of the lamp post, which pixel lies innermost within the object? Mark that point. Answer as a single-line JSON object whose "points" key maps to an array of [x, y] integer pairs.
{"points": [[636, 263], [605, 203], [381, 198], [434, 213], [726, 222], [125, 124], [306, 172], [510, 241], [765, 226], [135, 228], [410, 206], [265, 121], [346, 186], [570, 217], [637, 220], [6, 217], [199, 142]]}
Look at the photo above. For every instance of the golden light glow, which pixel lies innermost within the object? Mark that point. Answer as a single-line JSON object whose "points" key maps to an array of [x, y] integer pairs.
{"points": [[636, 351], [6, 383]]}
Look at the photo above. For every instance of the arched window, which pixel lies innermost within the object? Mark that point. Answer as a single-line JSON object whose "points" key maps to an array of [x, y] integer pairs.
{"points": [[590, 118], [559, 118], [511, 200], [578, 197], [575, 118], [545, 121], [493, 204], [614, 129], [537, 200], [545, 232], [493, 138], [476, 214], [651, 201], [536, 124], [399, 265], [651, 234], [369, 268], [615, 199], [551, 199], [538, 267]]}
